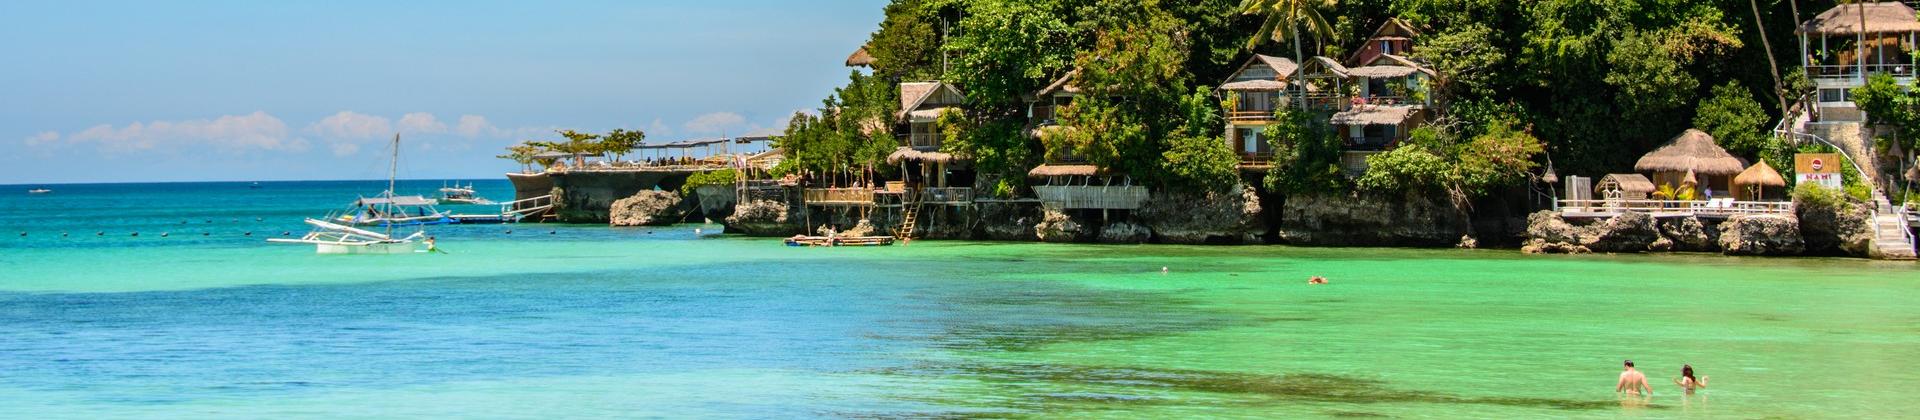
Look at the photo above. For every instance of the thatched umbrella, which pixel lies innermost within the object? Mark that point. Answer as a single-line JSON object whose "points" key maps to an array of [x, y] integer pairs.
{"points": [[1758, 177], [1693, 151]]}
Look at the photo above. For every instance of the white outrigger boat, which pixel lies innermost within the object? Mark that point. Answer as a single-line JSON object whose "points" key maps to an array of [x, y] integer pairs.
{"points": [[39, 191], [463, 195], [329, 237]]}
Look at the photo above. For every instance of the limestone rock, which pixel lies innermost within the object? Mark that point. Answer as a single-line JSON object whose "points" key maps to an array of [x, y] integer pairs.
{"points": [[1843, 230], [1628, 232], [1008, 221], [862, 228], [1057, 227], [1124, 233], [1690, 234], [1548, 227], [1761, 235], [761, 218], [1540, 246], [1196, 218], [1364, 219], [647, 208]]}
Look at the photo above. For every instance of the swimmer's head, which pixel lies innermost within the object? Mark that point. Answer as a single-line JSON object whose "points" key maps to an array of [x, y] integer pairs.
{"points": [[1629, 362]]}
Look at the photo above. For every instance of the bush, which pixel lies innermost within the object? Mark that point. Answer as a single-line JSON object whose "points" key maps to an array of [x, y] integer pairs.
{"points": [[1814, 196], [1408, 168], [720, 177]]}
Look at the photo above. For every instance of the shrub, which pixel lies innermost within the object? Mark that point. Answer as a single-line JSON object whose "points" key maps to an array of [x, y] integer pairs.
{"points": [[700, 179]]}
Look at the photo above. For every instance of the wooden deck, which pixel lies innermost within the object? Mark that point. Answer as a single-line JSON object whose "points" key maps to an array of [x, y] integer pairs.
{"points": [[1718, 209], [1111, 197]]}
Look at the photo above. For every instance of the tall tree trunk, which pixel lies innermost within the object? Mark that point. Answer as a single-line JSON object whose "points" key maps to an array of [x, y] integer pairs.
{"points": [[1779, 88], [1300, 66], [1860, 41]]}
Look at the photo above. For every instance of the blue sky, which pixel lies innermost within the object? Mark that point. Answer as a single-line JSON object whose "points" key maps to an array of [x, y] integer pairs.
{"points": [[111, 91]]}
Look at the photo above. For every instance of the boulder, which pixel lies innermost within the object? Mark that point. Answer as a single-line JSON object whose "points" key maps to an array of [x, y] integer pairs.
{"points": [[647, 208], [1846, 229], [1124, 233], [1055, 226], [1196, 218], [1761, 235], [1540, 246], [862, 228], [1690, 234], [761, 218], [1628, 232], [1548, 227]]}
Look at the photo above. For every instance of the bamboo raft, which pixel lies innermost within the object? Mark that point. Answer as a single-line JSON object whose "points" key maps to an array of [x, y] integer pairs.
{"points": [[840, 241]]}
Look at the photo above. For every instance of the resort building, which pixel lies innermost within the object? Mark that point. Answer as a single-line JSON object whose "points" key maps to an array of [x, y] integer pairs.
{"points": [[1256, 90], [1392, 38], [1692, 162], [1843, 45], [922, 162], [1066, 181]]}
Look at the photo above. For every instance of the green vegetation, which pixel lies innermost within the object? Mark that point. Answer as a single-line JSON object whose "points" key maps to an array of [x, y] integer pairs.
{"points": [[701, 179], [1887, 102]]}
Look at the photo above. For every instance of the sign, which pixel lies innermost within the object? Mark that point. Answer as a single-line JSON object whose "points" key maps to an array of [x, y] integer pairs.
{"points": [[1818, 168]]}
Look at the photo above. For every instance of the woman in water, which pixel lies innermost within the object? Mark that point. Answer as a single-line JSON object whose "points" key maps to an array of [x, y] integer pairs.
{"points": [[1686, 380]]}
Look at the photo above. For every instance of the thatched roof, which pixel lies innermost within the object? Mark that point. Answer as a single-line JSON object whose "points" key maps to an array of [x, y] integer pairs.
{"points": [[1282, 66], [909, 154], [1256, 86], [928, 115], [1329, 66], [1690, 179], [1631, 183], [1760, 174], [1380, 72], [1062, 85], [1373, 115], [1882, 17], [916, 94], [1065, 170], [1693, 151], [860, 58]]}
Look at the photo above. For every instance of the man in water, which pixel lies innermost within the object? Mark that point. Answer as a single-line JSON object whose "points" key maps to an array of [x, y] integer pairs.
{"points": [[1633, 382], [432, 247]]}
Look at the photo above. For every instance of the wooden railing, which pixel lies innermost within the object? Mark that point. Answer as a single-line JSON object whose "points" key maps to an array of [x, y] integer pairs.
{"points": [[1110, 197], [1844, 71], [861, 196], [1256, 159], [1674, 207], [1251, 115], [951, 195], [922, 139]]}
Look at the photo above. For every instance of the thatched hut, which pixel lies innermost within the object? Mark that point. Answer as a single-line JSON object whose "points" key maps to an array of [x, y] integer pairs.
{"points": [[1624, 186], [1753, 184], [860, 58], [1693, 151]]}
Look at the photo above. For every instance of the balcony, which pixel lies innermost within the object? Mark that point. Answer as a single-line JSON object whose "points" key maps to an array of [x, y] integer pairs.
{"points": [[922, 140], [1852, 71], [1354, 162], [1251, 115], [1256, 160], [839, 196]]}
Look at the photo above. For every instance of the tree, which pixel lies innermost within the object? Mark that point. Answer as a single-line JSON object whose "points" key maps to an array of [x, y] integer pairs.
{"points": [[577, 144], [1465, 62], [1006, 49], [1287, 19], [1885, 101], [907, 46], [1306, 155], [1131, 81], [1734, 119], [1197, 157], [621, 141], [522, 154]]}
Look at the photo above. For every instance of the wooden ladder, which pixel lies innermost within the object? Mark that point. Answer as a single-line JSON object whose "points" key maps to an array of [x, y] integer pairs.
{"points": [[909, 216]]}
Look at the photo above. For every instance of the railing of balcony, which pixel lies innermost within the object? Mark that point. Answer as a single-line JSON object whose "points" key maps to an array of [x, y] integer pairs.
{"points": [[843, 196], [1842, 71], [948, 195], [1354, 162], [922, 139], [1256, 158], [1108, 197]]}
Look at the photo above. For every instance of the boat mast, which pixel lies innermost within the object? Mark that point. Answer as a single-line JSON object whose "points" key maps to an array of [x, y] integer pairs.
{"points": [[393, 171]]}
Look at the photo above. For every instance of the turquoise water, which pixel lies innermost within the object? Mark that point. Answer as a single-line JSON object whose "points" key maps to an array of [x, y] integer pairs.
{"points": [[575, 321]]}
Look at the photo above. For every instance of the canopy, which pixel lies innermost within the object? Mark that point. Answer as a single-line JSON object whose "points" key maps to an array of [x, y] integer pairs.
{"points": [[909, 154], [1629, 183], [1760, 174], [1065, 170], [399, 200], [1693, 151]]}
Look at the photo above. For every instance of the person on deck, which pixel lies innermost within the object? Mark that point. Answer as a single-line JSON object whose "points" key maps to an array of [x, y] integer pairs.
{"points": [[1632, 382]]}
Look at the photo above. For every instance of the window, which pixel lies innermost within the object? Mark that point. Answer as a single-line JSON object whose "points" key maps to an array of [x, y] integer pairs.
{"points": [[1256, 101], [1250, 140], [1386, 47], [1835, 95]]}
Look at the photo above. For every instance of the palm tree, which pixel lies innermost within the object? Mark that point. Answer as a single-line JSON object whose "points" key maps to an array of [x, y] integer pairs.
{"points": [[1779, 88], [1287, 19]]}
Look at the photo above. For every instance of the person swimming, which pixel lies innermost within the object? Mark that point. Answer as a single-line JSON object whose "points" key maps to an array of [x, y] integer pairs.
{"points": [[1687, 382], [1632, 382], [1317, 280]]}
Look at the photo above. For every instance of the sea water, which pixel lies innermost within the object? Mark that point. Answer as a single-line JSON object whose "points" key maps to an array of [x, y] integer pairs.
{"points": [[552, 321]]}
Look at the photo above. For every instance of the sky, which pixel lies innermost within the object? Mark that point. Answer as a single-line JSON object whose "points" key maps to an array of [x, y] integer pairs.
{"points": [[142, 91]]}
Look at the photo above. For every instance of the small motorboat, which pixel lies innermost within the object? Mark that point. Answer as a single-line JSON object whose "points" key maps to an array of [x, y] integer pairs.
{"points": [[39, 191], [463, 195], [802, 240]]}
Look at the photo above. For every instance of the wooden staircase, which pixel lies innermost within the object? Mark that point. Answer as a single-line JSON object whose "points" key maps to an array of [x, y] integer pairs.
{"points": [[909, 215], [1891, 238]]}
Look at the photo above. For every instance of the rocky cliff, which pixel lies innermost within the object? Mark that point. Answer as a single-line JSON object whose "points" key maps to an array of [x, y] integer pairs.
{"points": [[1196, 218], [648, 208], [1362, 219]]}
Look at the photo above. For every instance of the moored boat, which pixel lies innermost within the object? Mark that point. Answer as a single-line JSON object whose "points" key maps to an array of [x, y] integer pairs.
{"points": [[39, 191], [801, 240]]}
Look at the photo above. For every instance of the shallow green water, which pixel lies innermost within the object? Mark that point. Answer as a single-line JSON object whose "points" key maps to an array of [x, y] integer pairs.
{"points": [[581, 321]]}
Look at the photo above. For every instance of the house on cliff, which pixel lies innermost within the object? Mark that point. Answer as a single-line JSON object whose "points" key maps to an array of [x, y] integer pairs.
{"points": [[941, 177], [1066, 181]]}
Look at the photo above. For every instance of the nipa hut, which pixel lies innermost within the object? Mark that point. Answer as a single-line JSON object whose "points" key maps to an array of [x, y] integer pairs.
{"points": [[1754, 183], [1693, 154], [1624, 186]]}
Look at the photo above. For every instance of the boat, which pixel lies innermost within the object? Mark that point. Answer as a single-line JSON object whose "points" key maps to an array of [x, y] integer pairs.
{"points": [[39, 191], [387, 210], [802, 240], [255, 186], [463, 195], [393, 210]]}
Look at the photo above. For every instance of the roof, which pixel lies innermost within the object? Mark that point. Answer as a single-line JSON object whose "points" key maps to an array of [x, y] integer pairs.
{"points": [[1283, 68], [1379, 72], [1845, 19], [1633, 183], [1692, 150], [1256, 85], [909, 154], [563, 155], [1401, 61], [398, 200], [927, 115], [1330, 65], [860, 58], [1063, 85], [1373, 115], [915, 94], [682, 144], [1065, 170], [1760, 174], [752, 139]]}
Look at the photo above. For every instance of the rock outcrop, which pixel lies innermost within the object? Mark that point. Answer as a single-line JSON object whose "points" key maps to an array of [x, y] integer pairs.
{"points": [[647, 208], [1124, 233], [715, 201], [1547, 232], [1055, 226], [761, 218], [1008, 221], [1689, 234], [1372, 220], [1761, 235], [1846, 229], [1196, 218]]}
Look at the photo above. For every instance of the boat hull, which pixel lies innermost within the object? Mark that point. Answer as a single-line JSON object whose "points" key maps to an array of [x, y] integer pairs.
{"points": [[369, 249]]}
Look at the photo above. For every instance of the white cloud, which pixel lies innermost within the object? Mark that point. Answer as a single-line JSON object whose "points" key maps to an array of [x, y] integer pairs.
{"points": [[715, 122], [476, 126], [345, 149], [421, 123], [229, 133], [45, 137], [349, 125], [658, 129]]}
